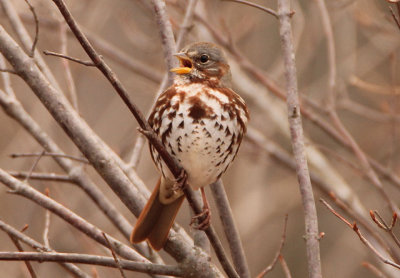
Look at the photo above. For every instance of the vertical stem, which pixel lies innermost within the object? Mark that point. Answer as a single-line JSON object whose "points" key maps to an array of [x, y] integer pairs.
{"points": [[297, 138], [230, 229]]}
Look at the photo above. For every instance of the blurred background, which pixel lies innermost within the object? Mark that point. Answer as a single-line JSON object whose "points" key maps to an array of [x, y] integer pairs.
{"points": [[260, 187]]}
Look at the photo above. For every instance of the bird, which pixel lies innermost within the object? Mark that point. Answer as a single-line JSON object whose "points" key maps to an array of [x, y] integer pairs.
{"points": [[200, 121]]}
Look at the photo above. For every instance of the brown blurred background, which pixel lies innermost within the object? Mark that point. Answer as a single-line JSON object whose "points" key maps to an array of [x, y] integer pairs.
{"points": [[260, 189]]}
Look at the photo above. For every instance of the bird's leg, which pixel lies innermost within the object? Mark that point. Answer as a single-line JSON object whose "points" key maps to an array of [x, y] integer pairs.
{"points": [[180, 182], [204, 217]]}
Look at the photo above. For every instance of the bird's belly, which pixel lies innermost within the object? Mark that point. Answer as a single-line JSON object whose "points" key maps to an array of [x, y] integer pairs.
{"points": [[199, 157], [204, 152]]}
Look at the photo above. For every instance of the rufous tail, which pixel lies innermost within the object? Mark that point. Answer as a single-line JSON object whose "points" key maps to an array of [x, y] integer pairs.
{"points": [[156, 220]]}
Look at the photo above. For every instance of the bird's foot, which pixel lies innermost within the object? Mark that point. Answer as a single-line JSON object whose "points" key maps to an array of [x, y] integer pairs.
{"points": [[202, 221], [180, 182]]}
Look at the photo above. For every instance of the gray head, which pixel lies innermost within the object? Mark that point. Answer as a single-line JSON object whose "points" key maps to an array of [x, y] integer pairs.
{"points": [[203, 61]]}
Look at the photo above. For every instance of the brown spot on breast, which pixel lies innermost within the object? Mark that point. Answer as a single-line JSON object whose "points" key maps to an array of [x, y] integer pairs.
{"points": [[172, 115], [182, 124], [227, 131], [199, 109]]}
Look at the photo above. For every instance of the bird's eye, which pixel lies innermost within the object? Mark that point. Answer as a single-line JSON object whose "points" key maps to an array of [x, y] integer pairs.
{"points": [[204, 58]]}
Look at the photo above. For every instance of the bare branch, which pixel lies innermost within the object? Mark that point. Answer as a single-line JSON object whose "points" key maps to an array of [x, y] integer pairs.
{"points": [[8, 71], [167, 36], [186, 24], [114, 256], [76, 60], [46, 224], [36, 38], [382, 224], [395, 18], [267, 10], [297, 138], [92, 260], [285, 267], [68, 74], [34, 166], [230, 229], [42, 176], [278, 253]]}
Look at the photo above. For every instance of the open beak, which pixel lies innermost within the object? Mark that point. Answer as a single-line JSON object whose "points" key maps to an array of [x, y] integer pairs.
{"points": [[185, 64]]}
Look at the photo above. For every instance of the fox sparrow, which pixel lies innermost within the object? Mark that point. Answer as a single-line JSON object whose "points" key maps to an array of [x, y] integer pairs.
{"points": [[201, 122]]}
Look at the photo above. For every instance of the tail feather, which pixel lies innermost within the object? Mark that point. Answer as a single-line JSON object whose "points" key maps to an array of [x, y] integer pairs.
{"points": [[156, 220]]}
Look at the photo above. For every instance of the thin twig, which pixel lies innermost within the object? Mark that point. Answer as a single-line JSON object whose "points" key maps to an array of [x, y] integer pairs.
{"points": [[265, 9], [20, 249], [43, 176], [373, 88], [374, 270], [36, 38], [92, 260], [285, 267], [355, 228], [395, 18], [6, 80], [381, 223], [44, 153], [186, 24], [38, 157], [278, 253], [46, 223], [114, 256], [65, 63], [76, 60], [297, 138], [8, 71], [167, 36]]}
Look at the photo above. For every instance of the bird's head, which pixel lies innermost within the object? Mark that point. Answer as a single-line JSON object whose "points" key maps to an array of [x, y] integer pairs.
{"points": [[203, 61]]}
